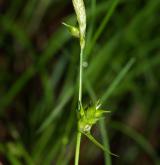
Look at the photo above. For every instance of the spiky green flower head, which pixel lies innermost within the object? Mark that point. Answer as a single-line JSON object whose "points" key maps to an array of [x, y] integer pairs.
{"points": [[89, 116]]}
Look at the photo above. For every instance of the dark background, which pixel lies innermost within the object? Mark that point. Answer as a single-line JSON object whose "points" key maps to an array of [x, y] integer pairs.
{"points": [[39, 63]]}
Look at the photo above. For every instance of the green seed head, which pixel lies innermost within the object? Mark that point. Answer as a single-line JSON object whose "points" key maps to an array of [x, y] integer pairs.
{"points": [[73, 30]]}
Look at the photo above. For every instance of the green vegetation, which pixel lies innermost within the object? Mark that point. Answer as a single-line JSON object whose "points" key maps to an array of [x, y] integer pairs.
{"points": [[39, 82]]}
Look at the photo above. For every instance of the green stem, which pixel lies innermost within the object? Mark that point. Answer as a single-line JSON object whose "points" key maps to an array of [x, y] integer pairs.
{"points": [[80, 75], [80, 101], [77, 148]]}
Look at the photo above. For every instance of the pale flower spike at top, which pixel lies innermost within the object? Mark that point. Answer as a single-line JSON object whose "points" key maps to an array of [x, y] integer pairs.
{"points": [[81, 18]]}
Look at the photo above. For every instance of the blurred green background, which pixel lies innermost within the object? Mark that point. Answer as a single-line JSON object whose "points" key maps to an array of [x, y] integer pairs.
{"points": [[38, 81]]}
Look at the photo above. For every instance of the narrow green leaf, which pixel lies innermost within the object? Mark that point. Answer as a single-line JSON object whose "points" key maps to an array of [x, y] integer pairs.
{"points": [[99, 144]]}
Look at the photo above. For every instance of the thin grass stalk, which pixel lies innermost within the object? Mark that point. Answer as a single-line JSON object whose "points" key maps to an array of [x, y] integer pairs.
{"points": [[104, 134], [79, 134], [80, 75], [79, 8]]}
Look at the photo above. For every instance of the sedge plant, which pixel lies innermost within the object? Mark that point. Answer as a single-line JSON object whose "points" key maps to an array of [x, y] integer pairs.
{"points": [[89, 115]]}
